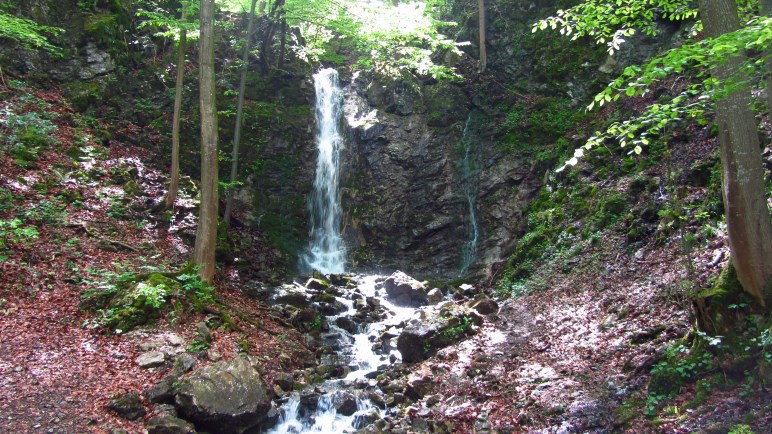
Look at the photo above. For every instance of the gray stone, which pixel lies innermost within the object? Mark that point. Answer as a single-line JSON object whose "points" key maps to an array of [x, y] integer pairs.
{"points": [[128, 406], [163, 391], [404, 290], [434, 296], [174, 339], [345, 403], [485, 306], [229, 396], [366, 419], [167, 424], [317, 284], [151, 359], [183, 363], [203, 332], [443, 327], [284, 380]]}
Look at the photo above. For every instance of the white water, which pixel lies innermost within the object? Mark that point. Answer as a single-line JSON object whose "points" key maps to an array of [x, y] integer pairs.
{"points": [[469, 185], [326, 251], [360, 357]]}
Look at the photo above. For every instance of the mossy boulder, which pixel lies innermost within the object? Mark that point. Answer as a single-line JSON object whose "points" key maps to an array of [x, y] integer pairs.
{"points": [[227, 397]]}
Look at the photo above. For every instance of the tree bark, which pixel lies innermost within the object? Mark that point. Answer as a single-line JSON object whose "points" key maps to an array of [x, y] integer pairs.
{"points": [[174, 182], [206, 234], [239, 113], [745, 201], [283, 44], [483, 50]]}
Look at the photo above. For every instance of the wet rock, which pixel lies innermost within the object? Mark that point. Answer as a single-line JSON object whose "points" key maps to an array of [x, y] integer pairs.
{"points": [[292, 298], [317, 284], [308, 403], [366, 418], [151, 359], [169, 425], [346, 324], [225, 397], [345, 403], [404, 290], [128, 406]]}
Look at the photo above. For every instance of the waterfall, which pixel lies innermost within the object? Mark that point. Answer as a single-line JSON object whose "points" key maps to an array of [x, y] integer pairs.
{"points": [[326, 251], [470, 173]]}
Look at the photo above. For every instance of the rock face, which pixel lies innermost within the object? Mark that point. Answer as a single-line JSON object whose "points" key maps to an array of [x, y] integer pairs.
{"points": [[227, 397], [404, 290]]}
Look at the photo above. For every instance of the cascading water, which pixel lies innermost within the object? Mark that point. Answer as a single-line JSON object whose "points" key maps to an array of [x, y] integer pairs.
{"points": [[318, 409], [470, 173], [326, 251]]}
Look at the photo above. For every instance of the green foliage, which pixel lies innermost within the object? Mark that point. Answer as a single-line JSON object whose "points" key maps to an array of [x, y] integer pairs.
{"points": [[391, 39], [25, 135], [692, 59], [15, 232], [29, 34], [455, 332], [741, 429], [610, 22]]}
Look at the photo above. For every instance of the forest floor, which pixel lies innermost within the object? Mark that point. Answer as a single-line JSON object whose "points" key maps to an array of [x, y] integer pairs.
{"points": [[574, 357]]}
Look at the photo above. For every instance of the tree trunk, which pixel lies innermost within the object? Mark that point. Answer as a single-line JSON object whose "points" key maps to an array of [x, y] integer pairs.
{"points": [[174, 183], [483, 50], [747, 215], [239, 113], [206, 234], [283, 46]]}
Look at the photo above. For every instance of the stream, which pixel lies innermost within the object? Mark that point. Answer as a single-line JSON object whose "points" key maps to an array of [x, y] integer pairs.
{"points": [[346, 404]]}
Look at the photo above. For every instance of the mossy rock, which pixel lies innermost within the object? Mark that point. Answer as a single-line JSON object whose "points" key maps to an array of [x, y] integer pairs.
{"points": [[142, 302], [666, 381]]}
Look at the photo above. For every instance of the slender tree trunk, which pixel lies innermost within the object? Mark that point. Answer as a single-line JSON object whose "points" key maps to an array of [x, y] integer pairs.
{"points": [[766, 9], [283, 46], [239, 113], [483, 49], [262, 7], [174, 183], [206, 235], [745, 201]]}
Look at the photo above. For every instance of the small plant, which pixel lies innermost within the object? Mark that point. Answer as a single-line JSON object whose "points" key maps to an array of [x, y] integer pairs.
{"points": [[196, 346], [458, 330], [14, 232]]}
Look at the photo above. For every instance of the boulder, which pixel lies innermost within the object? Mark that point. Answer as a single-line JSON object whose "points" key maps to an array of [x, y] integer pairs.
{"points": [[434, 296], [226, 397], [440, 329], [317, 284], [128, 406], [404, 290], [163, 391], [485, 306], [151, 359], [285, 380], [345, 403], [167, 424], [366, 418]]}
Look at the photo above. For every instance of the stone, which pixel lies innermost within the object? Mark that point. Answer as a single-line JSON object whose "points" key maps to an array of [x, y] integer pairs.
{"points": [[183, 363], [151, 359], [167, 424], [486, 306], [346, 324], [228, 396], [345, 403], [317, 284], [284, 380], [434, 296], [441, 328], [366, 419], [404, 290], [203, 332], [163, 391], [128, 406], [174, 339]]}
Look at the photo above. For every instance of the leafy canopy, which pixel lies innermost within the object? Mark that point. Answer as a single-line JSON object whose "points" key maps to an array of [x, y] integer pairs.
{"points": [[29, 34], [391, 39], [610, 21]]}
